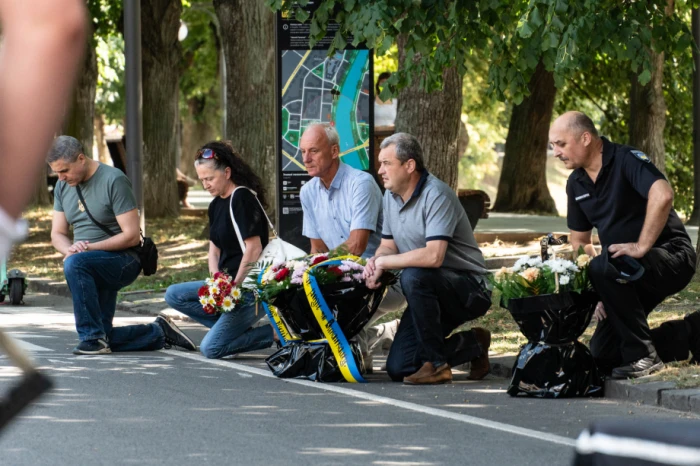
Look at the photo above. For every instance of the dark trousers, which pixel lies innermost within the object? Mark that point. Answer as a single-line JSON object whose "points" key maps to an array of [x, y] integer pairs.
{"points": [[439, 300], [625, 336]]}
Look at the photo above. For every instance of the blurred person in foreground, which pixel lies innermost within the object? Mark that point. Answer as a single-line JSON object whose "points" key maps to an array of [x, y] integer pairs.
{"points": [[42, 44]]}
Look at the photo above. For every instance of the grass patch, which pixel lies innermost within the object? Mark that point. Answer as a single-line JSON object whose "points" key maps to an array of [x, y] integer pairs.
{"points": [[182, 251], [683, 374]]}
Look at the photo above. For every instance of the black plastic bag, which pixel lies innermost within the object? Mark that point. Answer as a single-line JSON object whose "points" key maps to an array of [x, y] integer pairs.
{"points": [[553, 363], [313, 361], [351, 304], [546, 371]]}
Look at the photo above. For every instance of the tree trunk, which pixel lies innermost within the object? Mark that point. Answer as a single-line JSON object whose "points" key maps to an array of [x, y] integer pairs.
{"points": [[523, 183], [160, 55], [648, 110], [79, 121], [41, 197], [102, 151], [195, 133], [433, 118], [247, 31], [648, 114]]}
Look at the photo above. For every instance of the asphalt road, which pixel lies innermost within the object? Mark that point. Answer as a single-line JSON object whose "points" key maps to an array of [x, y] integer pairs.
{"points": [[173, 407]]}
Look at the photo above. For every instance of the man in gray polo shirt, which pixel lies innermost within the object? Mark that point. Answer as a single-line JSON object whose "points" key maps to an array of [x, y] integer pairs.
{"points": [[342, 207], [426, 233]]}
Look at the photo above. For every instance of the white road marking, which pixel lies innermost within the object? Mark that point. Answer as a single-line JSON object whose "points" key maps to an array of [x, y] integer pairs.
{"points": [[32, 348], [547, 437]]}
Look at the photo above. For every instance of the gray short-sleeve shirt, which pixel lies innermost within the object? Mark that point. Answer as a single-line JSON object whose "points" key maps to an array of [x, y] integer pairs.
{"points": [[107, 193], [432, 213]]}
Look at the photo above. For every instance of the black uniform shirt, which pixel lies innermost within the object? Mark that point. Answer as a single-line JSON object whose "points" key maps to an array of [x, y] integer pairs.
{"points": [[616, 204], [251, 222]]}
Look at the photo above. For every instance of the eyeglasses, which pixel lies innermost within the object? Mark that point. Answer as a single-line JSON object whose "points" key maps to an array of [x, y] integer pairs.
{"points": [[206, 154]]}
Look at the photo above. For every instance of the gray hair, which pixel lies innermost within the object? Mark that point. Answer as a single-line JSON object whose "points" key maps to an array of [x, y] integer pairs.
{"points": [[581, 123], [65, 148], [407, 147], [331, 132]]}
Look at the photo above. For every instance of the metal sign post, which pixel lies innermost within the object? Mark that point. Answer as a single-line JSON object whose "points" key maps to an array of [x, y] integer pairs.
{"points": [[134, 103]]}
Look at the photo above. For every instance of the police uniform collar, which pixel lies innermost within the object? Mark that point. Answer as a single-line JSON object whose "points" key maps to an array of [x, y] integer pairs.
{"points": [[608, 152]]}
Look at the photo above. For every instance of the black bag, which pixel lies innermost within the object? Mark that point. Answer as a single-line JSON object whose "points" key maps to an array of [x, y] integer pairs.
{"points": [[553, 363], [147, 251], [312, 361]]}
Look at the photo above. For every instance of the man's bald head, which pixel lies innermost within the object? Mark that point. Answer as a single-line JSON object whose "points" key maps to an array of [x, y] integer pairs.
{"points": [[577, 122], [575, 140]]}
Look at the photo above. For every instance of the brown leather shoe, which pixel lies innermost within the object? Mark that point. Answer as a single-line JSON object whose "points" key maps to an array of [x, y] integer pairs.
{"points": [[480, 366], [429, 375]]}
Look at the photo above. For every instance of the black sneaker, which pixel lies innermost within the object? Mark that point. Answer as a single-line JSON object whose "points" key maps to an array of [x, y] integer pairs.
{"points": [[639, 368], [98, 346], [173, 335]]}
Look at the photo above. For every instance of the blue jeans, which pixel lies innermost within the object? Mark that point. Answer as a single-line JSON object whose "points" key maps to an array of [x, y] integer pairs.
{"points": [[94, 278], [231, 332], [439, 301]]}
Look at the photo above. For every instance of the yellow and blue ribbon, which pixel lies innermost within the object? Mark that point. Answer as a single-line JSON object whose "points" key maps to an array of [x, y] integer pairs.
{"points": [[329, 326]]}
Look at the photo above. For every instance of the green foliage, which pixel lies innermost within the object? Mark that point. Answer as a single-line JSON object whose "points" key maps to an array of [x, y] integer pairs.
{"points": [[200, 79], [602, 90], [110, 91], [106, 19], [516, 35], [487, 122]]}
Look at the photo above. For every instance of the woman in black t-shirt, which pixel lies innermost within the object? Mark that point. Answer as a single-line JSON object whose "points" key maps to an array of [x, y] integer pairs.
{"points": [[221, 171]]}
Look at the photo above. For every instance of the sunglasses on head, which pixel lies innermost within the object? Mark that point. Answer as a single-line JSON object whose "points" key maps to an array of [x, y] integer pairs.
{"points": [[206, 154]]}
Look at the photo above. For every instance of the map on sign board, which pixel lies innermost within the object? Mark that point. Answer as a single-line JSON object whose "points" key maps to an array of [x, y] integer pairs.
{"points": [[317, 88]]}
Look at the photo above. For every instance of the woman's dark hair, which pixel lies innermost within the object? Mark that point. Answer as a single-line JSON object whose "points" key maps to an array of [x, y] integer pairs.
{"points": [[241, 173], [382, 76]]}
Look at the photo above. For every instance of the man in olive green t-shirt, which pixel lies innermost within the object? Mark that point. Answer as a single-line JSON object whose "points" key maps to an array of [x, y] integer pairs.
{"points": [[98, 264]]}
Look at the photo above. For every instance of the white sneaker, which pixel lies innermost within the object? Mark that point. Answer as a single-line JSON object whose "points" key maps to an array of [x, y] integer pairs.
{"points": [[385, 335]]}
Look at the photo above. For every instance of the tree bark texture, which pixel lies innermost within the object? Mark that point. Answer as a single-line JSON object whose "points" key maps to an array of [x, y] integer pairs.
{"points": [[160, 58], [648, 114], [522, 186], [195, 133], [648, 110], [79, 120], [433, 118], [102, 150], [247, 31], [41, 197]]}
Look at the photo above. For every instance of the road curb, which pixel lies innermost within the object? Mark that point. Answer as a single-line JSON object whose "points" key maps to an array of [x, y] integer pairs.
{"points": [[662, 394]]}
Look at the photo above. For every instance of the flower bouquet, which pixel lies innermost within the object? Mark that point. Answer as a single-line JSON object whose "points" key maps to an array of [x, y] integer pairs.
{"points": [[219, 294], [338, 279], [317, 303], [552, 302]]}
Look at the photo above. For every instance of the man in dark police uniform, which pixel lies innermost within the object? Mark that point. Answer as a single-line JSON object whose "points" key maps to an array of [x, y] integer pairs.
{"points": [[617, 190]]}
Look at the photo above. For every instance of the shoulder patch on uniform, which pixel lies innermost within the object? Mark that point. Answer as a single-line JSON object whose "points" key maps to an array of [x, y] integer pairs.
{"points": [[641, 156]]}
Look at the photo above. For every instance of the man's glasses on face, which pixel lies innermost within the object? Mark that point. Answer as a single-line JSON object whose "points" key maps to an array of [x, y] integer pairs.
{"points": [[206, 154]]}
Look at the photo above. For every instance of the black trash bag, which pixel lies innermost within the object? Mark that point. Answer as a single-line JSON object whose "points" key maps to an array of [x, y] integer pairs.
{"points": [[351, 304], [312, 361], [560, 371], [553, 363]]}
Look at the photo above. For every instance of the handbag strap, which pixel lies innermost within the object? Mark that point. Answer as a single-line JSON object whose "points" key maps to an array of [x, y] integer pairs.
{"points": [[82, 200], [233, 219]]}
